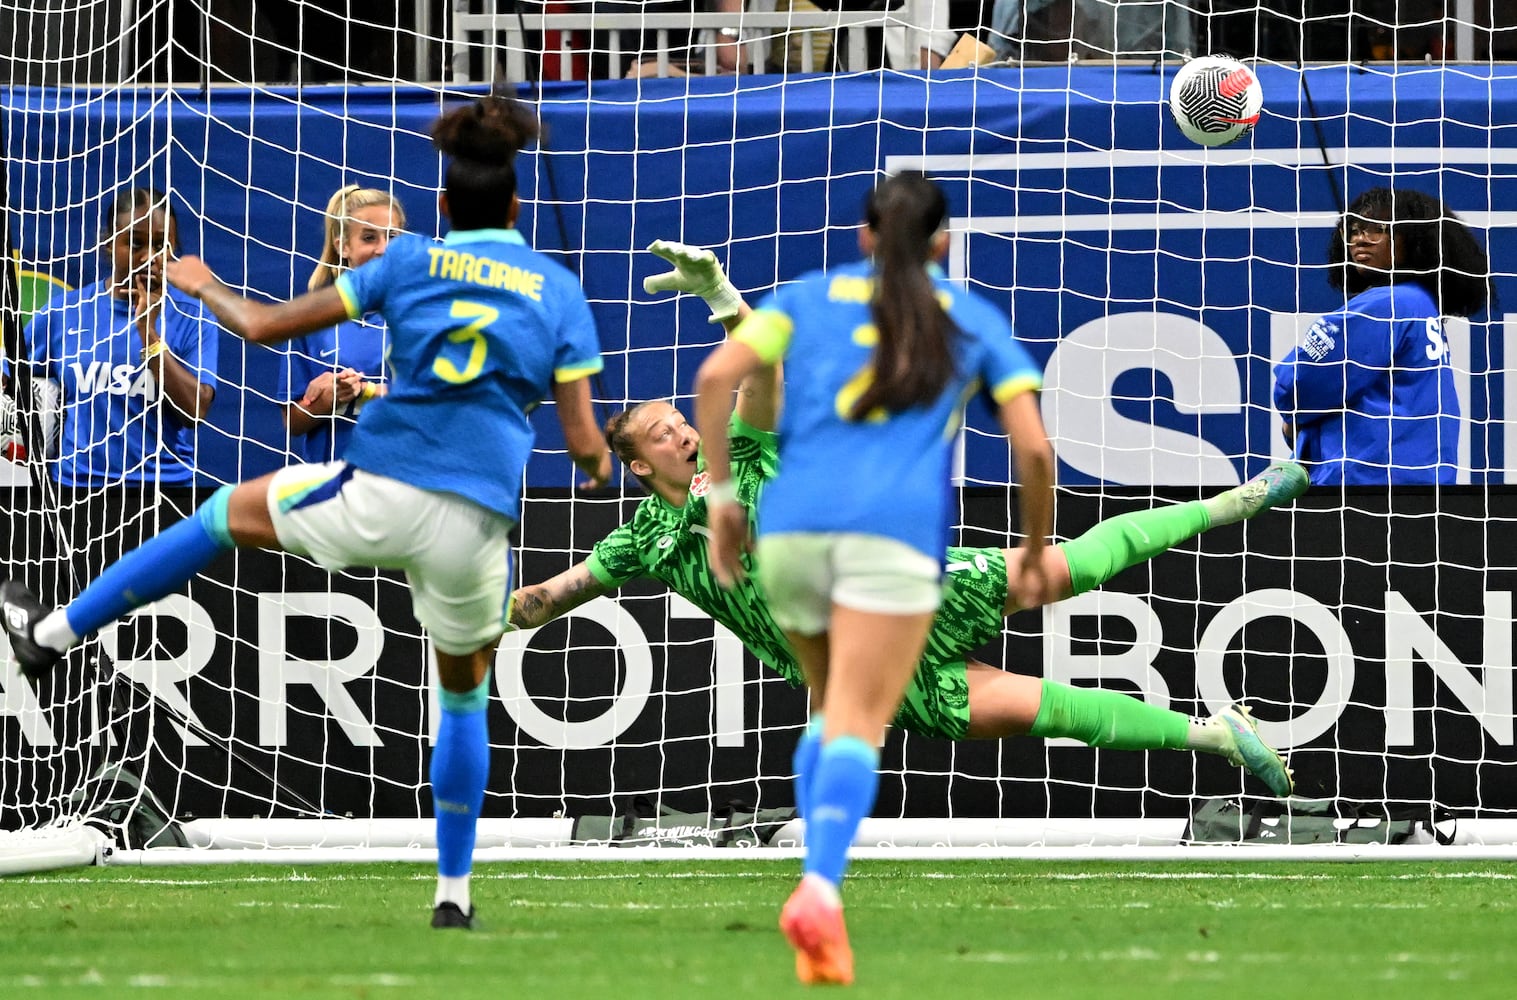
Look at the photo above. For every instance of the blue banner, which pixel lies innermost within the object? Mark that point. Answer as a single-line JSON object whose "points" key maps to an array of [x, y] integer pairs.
{"points": [[1156, 281]]}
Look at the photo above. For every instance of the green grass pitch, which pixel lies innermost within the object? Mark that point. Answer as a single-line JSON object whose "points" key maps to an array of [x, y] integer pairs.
{"points": [[675, 929]]}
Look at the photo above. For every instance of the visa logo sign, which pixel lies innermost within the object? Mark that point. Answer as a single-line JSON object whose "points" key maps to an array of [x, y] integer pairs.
{"points": [[116, 380]]}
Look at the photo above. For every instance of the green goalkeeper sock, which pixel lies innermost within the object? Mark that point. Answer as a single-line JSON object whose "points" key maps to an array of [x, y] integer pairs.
{"points": [[1107, 719], [1128, 539]]}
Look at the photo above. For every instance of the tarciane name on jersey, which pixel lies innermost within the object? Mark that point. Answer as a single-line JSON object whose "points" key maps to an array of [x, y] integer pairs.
{"points": [[455, 265]]}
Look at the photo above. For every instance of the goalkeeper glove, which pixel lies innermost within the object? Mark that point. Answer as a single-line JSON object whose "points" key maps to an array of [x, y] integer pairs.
{"points": [[697, 271]]}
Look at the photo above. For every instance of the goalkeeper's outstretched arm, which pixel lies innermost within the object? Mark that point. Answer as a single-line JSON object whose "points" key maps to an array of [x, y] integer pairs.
{"points": [[542, 602], [696, 271]]}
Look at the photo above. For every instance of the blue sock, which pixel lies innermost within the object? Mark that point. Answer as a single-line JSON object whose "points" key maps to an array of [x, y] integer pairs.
{"points": [[804, 762], [156, 569], [842, 793], [460, 768]]}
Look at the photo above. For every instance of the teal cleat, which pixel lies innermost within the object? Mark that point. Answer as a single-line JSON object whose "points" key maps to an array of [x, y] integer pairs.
{"points": [[1244, 748], [1278, 484]]}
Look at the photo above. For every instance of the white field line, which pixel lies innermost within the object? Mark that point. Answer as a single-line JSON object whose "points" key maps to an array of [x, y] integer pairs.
{"points": [[329, 874]]}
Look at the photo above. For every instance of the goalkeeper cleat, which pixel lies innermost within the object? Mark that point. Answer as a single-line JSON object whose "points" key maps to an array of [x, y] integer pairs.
{"points": [[1278, 484], [20, 612], [812, 922], [1244, 748], [449, 914]]}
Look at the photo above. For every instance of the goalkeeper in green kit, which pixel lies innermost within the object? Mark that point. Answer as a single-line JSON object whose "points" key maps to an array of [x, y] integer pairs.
{"points": [[951, 697]]}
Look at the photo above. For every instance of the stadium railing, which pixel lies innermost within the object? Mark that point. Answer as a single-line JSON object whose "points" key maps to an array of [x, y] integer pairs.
{"points": [[757, 26]]}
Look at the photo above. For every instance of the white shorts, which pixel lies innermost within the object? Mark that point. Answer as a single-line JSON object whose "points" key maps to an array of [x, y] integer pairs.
{"points": [[456, 554], [805, 574]]}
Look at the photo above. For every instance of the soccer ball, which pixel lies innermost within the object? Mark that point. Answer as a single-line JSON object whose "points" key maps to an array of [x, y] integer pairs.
{"points": [[1215, 100]]}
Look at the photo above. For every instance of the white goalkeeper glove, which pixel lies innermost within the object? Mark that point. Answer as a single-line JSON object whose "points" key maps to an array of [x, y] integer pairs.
{"points": [[697, 271]]}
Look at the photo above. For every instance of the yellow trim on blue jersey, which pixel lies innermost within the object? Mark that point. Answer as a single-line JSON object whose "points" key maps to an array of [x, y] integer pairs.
{"points": [[1015, 386], [291, 492], [349, 301], [457, 236], [768, 332], [575, 372]]}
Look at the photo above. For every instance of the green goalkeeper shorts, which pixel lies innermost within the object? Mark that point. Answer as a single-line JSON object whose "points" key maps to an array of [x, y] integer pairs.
{"points": [[971, 615]]}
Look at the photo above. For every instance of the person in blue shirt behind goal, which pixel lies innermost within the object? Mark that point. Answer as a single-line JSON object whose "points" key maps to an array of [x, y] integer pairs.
{"points": [[880, 357], [482, 328], [133, 361], [327, 377], [1367, 397], [951, 695]]}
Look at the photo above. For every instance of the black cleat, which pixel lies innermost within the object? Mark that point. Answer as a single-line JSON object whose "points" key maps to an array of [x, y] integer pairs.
{"points": [[19, 614], [449, 915]]}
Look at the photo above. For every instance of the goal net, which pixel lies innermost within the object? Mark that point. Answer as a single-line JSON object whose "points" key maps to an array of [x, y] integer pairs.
{"points": [[270, 704]]}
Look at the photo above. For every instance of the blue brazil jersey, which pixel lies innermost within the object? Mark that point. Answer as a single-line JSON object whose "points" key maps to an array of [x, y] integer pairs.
{"points": [[113, 429], [1371, 391], [481, 326], [358, 344], [888, 474]]}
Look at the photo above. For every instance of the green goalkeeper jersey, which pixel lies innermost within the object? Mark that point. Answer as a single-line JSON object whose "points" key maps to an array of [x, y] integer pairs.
{"points": [[668, 544]]}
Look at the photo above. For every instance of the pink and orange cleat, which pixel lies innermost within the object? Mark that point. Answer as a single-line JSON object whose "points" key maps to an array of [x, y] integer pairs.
{"points": [[812, 922]]}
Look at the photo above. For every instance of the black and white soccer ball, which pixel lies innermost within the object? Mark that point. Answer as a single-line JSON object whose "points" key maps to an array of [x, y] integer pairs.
{"points": [[1215, 100]]}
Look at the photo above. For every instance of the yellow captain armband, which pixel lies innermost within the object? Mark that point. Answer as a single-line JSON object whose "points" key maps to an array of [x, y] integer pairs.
{"points": [[1015, 386], [768, 332]]}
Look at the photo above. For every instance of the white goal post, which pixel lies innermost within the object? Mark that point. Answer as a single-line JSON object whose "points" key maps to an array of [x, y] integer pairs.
{"points": [[272, 712]]}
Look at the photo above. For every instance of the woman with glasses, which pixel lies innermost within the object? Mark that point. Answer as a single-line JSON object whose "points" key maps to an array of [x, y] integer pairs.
{"points": [[1367, 396]]}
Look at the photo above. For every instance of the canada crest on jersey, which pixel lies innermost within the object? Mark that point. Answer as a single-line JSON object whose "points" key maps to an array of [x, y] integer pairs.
{"points": [[700, 484]]}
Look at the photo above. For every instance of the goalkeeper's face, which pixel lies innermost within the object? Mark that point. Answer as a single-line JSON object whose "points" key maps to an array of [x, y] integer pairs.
{"points": [[667, 447]]}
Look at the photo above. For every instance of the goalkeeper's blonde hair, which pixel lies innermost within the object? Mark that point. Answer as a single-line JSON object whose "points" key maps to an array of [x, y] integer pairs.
{"points": [[340, 209]]}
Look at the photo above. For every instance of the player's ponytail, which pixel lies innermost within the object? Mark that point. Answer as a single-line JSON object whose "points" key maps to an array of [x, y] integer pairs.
{"points": [[481, 141], [913, 359], [340, 208]]}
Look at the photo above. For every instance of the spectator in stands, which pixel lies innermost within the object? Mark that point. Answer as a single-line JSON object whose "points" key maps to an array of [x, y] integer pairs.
{"points": [[134, 360], [328, 376], [123, 372], [686, 53], [1053, 30], [921, 38], [1367, 397]]}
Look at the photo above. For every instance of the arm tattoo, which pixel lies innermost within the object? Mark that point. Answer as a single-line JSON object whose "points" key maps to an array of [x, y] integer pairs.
{"points": [[528, 607], [539, 605]]}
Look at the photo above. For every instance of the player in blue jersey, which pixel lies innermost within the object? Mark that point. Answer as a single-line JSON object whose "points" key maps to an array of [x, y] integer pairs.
{"points": [[880, 357], [328, 376], [134, 362], [482, 328], [1367, 397]]}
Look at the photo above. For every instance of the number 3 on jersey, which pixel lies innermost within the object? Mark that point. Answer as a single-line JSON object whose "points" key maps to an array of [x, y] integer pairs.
{"points": [[473, 335]]}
